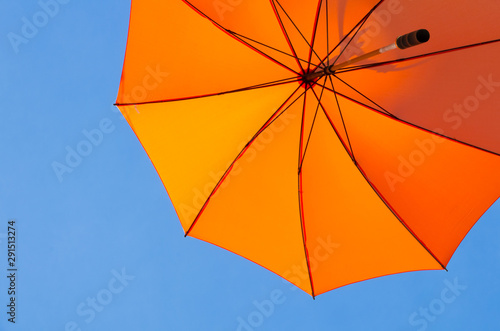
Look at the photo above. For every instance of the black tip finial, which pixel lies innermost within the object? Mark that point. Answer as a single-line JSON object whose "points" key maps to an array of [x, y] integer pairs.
{"points": [[413, 39]]}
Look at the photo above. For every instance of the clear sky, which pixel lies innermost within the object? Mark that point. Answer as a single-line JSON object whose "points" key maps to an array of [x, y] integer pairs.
{"points": [[99, 246]]}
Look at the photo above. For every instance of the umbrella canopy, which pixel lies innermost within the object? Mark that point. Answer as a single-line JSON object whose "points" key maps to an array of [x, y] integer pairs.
{"points": [[277, 139]]}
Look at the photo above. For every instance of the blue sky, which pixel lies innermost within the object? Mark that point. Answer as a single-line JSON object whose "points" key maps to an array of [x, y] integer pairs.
{"points": [[99, 247]]}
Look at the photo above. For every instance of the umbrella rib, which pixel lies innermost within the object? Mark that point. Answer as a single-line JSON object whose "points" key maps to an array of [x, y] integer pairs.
{"points": [[364, 96], [327, 28], [343, 122], [352, 99], [301, 199], [270, 47], [301, 161], [316, 21], [449, 50], [240, 36], [230, 33], [348, 151], [382, 198], [271, 120], [278, 17], [248, 88]]}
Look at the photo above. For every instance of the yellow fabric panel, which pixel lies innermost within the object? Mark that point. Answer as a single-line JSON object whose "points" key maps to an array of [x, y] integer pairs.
{"points": [[193, 142], [255, 213], [351, 234]]}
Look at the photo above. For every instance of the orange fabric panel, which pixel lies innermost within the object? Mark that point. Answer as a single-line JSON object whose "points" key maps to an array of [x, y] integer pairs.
{"points": [[173, 52], [255, 23], [255, 212], [438, 187], [193, 142], [351, 234], [455, 94]]}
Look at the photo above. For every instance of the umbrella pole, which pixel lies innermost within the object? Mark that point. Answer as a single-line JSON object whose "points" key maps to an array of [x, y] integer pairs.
{"points": [[402, 42]]}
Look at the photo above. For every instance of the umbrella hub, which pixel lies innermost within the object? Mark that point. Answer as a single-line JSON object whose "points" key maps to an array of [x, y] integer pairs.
{"points": [[310, 77]]}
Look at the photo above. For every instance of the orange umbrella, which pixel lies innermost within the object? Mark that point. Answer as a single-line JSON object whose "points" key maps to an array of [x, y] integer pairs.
{"points": [[327, 141]]}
